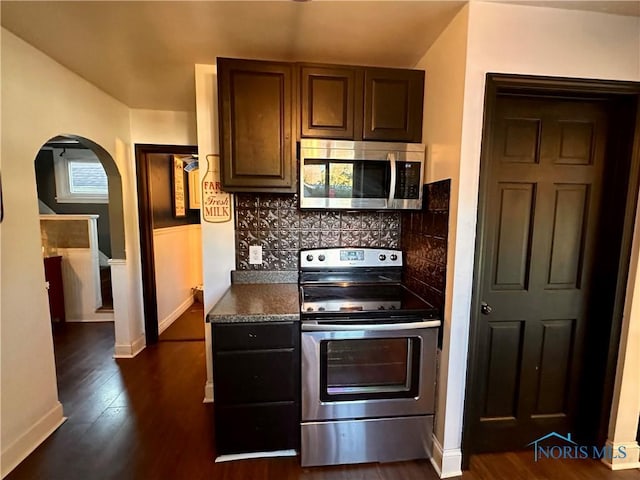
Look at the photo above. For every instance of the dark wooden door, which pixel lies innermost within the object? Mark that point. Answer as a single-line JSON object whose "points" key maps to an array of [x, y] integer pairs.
{"points": [[545, 170], [53, 276], [256, 110], [330, 98], [393, 104]]}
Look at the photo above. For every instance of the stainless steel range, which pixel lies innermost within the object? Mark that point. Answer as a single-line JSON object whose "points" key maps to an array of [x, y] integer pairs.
{"points": [[368, 359]]}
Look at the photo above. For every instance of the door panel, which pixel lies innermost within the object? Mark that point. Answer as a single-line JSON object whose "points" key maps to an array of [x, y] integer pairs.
{"points": [[521, 140], [576, 140], [555, 359], [503, 370], [568, 232], [512, 246], [543, 193]]}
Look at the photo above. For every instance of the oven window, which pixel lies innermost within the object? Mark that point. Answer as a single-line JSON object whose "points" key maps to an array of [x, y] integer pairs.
{"points": [[369, 368]]}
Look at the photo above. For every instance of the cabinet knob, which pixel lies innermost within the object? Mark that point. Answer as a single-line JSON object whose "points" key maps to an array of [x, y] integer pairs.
{"points": [[252, 335], [485, 308]]}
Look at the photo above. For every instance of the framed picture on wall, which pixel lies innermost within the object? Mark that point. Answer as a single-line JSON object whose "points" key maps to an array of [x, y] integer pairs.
{"points": [[194, 189], [179, 197]]}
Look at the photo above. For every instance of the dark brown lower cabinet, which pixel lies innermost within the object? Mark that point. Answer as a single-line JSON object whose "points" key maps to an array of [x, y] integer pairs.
{"points": [[256, 427], [256, 381]]}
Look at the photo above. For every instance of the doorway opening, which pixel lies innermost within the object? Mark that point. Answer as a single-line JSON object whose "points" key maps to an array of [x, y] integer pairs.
{"points": [[170, 241], [73, 198], [82, 230], [558, 189]]}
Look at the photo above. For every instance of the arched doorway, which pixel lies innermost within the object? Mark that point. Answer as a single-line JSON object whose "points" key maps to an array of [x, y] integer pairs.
{"points": [[76, 176]]}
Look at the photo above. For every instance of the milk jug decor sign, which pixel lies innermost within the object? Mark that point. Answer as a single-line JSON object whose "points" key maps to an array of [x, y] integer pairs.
{"points": [[216, 204]]}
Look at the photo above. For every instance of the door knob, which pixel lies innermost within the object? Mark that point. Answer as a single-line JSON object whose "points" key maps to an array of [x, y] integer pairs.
{"points": [[485, 308]]}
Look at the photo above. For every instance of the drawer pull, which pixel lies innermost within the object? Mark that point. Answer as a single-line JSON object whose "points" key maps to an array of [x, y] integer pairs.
{"points": [[252, 335]]}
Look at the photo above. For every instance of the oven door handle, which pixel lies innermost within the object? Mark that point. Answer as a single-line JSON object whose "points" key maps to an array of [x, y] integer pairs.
{"points": [[332, 327]]}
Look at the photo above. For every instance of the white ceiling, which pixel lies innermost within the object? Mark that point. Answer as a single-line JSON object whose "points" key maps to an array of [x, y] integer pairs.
{"points": [[143, 52]]}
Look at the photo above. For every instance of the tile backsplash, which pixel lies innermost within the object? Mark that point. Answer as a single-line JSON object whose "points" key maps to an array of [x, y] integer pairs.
{"points": [[424, 240], [275, 222]]}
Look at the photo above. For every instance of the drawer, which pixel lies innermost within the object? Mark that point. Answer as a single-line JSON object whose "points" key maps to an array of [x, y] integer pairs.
{"points": [[256, 428], [249, 336], [259, 376]]}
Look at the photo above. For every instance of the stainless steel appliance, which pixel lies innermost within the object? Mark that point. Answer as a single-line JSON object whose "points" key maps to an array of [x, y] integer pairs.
{"points": [[340, 174], [368, 359]]}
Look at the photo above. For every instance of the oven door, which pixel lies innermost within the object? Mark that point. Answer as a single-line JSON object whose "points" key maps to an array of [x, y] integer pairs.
{"points": [[368, 371]]}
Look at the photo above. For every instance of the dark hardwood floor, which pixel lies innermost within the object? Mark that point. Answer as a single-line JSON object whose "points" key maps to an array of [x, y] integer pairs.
{"points": [[143, 418], [189, 326]]}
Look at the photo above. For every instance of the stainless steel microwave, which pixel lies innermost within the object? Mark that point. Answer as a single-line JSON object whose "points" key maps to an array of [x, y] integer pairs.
{"points": [[337, 174]]}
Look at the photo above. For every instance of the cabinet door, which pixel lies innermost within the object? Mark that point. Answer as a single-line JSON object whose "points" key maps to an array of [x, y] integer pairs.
{"points": [[255, 113], [255, 376], [328, 102], [393, 104], [254, 428]]}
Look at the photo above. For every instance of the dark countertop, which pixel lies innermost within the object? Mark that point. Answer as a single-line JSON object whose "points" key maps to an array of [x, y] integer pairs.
{"points": [[264, 276], [266, 302]]}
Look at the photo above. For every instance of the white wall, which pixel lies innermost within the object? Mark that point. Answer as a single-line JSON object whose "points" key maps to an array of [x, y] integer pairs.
{"points": [[178, 262], [41, 99], [174, 268], [521, 40], [218, 239], [625, 408], [445, 64], [163, 127]]}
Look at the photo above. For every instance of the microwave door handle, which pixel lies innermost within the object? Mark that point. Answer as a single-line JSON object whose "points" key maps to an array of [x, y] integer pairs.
{"points": [[391, 157], [317, 327]]}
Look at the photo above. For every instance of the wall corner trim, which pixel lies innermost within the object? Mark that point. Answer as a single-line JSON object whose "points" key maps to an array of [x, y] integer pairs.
{"points": [[629, 461], [208, 392], [447, 463], [26, 443], [130, 351]]}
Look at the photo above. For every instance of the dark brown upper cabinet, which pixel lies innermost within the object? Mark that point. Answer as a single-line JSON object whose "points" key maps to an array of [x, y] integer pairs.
{"points": [[256, 110], [265, 106], [393, 104], [330, 97], [360, 103]]}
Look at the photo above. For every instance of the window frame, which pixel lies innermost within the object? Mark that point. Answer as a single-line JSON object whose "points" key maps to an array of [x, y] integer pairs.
{"points": [[61, 161]]}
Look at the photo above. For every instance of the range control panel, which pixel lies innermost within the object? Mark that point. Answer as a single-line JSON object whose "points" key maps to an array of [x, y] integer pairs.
{"points": [[350, 257]]}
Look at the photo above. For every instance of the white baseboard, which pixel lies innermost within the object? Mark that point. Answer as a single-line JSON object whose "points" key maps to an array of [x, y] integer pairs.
{"points": [[436, 456], [208, 392], [130, 351], [631, 459], [100, 317], [173, 316], [31, 439], [447, 463]]}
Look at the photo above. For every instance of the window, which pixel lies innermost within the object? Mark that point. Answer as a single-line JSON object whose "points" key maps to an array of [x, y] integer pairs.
{"points": [[80, 177]]}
